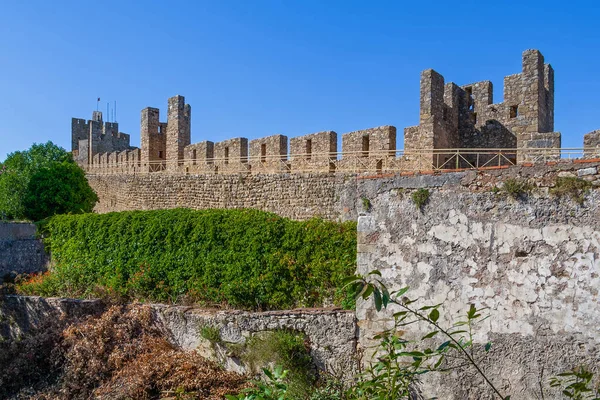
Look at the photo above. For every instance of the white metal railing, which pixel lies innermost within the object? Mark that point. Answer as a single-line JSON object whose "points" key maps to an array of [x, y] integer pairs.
{"points": [[395, 161]]}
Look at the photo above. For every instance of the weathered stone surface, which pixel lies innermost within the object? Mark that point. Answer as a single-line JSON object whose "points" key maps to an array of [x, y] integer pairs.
{"points": [[331, 333], [299, 196], [587, 171], [20, 250], [21, 314], [532, 263], [591, 142]]}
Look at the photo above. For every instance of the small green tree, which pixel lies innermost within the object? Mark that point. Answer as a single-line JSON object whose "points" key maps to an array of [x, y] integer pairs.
{"points": [[17, 170], [60, 188]]}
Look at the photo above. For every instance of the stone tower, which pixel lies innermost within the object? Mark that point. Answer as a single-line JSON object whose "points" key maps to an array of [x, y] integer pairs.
{"points": [[178, 131], [153, 140], [466, 117]]}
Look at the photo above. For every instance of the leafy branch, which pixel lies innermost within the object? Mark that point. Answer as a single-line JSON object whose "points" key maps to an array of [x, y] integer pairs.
{"points": [[459, 337]]}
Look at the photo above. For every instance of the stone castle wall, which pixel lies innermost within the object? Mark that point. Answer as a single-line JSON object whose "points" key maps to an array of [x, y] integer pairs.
{"points": [[466, 117], [451, 117], [302, 195], [532, 263], [21, 251]]}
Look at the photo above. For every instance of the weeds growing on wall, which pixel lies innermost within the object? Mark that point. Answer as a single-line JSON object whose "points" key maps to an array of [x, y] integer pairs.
{"points": [[242, 258], [516, 188], [211, 333], [400, 362], [576, 188], [366, 203], [420, 197]]}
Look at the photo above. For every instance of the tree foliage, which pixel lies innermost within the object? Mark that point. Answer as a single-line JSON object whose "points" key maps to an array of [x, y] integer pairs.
{"points": [[43, 160], [60, 188]]}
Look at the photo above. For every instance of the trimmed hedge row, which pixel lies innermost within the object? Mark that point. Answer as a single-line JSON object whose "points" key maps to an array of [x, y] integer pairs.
{"points": [[242, 258]]}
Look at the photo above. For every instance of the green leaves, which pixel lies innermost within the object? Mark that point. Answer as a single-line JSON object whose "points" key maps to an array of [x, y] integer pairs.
{"points": [[392, 375], [18, 168], [60, 188], [243, 258], [434, 315], [577, 384]]}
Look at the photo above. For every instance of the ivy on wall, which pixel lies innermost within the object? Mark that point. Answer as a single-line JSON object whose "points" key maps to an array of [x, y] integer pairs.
{"points": [[241, 258]]}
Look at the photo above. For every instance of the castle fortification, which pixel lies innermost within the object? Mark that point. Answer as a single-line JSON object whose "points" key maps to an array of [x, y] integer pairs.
{"points": [[459, 127]]}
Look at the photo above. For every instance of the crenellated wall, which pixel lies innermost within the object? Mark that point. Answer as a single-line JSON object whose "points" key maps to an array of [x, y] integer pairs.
{"points": [[466, 117], [451, 117]]}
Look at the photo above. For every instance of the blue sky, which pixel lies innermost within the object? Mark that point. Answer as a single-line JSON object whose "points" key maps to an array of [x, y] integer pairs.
{"points": [[256, 68]]}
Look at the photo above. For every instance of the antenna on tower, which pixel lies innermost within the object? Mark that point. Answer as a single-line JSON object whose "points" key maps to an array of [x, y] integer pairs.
{"points": [[115, 111], [107, 114]]}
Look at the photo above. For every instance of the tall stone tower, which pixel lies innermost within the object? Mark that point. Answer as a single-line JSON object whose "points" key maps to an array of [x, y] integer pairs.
{"points": [[152, 140], [178, 131]]}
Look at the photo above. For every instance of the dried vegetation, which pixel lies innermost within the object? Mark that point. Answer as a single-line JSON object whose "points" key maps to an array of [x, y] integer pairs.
{"points": [[123, 354]]}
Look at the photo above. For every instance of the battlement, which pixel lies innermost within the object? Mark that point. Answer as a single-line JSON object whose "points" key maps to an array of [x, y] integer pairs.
{"points": [[451, 117], [466, 116], [92, 137]]}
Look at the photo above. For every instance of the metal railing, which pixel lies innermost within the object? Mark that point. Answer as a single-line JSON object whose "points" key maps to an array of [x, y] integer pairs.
{"points": [[392, 161]]}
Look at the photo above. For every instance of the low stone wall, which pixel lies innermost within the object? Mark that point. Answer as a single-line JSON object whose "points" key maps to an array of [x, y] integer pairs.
{"points": [[331, 334], [22, 314], [334, 196], [532, 262], [20, 250]]}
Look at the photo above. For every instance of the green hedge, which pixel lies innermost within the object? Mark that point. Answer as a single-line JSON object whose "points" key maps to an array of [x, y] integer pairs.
{"points": [[244, 258]]}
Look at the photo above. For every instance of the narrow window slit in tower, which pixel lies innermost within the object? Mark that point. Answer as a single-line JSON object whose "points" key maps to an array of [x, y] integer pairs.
{"points": [[308, 149], [365, 146], [470, 102], [263, 152], [226, 155]]}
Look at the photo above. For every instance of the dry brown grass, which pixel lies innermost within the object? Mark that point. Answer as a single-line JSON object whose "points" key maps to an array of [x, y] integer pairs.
{"points": [[123, 354]]}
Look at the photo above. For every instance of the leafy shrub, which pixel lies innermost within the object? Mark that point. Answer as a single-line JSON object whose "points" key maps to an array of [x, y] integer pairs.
{"points": [[17, 170], [577, 384], [576, 188], [284, 348], [420, 197], [244, 258], [274, 389], [516, 188], [60, 188]]}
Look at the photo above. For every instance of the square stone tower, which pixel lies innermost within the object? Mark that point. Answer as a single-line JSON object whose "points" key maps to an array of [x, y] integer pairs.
{"points": [[178, 131]]}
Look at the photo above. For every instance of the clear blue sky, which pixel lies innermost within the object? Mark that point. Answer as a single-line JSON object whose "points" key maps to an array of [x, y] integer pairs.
{"points": [[254, 68]]}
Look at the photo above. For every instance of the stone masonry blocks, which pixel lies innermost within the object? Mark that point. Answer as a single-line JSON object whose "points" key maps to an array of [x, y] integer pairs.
{"points": [[315, 151], [178, 131], [153, 141], [373, 142], [269, 154], [591, 143], [270, 147], [232, 155]]}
